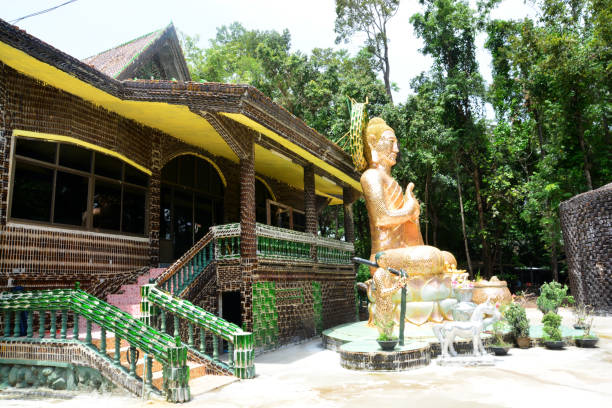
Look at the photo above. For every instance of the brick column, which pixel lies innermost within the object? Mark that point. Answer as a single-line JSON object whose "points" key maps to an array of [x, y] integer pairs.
{"points": [[349, 224], [248, 238], [310, 205], [154, 199]]}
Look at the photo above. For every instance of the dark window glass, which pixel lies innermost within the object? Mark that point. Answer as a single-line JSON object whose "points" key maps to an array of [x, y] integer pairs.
{"points": [[108, 166], [187, 171], [170, 171], [219, 212], [75, 157], [204, 170], [36, 149], [166, 213], [135, 176], [107, 205], [32, 190], [71, 199], [203, 216], [299, 222], [216, 185], [261, 195], [183, 222], [133, 211]]}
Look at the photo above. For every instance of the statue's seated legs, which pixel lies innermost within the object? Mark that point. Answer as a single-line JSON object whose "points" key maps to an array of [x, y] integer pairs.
{"points": [[428, 289]]}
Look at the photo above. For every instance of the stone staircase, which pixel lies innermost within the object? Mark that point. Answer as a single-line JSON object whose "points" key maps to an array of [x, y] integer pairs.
{"points": [[128, 300], [128, 297]]}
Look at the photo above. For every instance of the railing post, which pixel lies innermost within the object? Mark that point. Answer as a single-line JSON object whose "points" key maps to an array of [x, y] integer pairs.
{"points": [[64, 324], [117, 356], [202, 341], [176, 325], [103, 340], [7, 323], [162, 318], [53, 326], [30, 320], [76, 327], [88, 333], [244, 366], [176, 374], [132, 361], [215, 342], [16, 331], [230, 354], [149, 374], [41, 324]]}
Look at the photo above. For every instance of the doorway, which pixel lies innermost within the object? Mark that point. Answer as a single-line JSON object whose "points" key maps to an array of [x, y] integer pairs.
{"points": [[191, 202]]}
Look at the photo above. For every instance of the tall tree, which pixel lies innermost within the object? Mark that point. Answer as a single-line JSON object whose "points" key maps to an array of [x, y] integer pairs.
{"points": [[369, 17], [448, 29]]}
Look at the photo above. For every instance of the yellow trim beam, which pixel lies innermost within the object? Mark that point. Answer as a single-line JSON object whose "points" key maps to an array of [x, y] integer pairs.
{"points": [[240, 118]]}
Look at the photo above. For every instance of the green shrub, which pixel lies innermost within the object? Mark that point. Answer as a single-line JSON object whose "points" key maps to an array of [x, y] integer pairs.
{"points": [[552, 295], [552, 321], [517, 318], [363, 273]]}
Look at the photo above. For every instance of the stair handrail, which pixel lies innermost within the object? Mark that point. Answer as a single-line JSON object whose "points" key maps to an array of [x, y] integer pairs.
{"points": [[199, 249], [167, 350], [241, 352]]}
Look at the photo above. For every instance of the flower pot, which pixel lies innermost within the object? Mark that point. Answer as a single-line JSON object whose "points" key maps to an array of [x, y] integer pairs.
{"points": [[554, 345], [588, 342], [495, 290], [523, 342], [579, 326], [500, 350], [387, 345]]}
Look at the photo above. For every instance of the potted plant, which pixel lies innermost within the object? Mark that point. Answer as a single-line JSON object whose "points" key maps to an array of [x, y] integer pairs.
{"points": [[582, 313], [552, 295], [499, 346], [584, 319], [552, 334], [517, 319], [386, 340]]}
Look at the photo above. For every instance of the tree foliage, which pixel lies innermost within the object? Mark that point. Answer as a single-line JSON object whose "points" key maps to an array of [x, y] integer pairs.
{"points": [[369, 17], [489, 190]]}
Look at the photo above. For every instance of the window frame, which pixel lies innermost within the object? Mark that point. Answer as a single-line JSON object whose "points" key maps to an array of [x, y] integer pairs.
{"points": [[91, 182]]}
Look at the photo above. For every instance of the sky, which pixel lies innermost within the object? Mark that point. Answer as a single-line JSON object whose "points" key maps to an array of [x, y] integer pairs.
{"points": [[87, 27]]}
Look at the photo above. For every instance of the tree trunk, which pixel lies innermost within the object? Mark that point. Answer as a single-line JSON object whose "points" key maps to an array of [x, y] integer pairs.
{"points": [[386, 68], [427, 177], [553, 259], [465, 242], [434, 227], [540, 133], [585, 153], [485, 245]]}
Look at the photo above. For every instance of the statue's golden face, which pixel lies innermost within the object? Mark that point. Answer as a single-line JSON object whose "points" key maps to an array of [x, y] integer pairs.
{"points": [[386, 148]]}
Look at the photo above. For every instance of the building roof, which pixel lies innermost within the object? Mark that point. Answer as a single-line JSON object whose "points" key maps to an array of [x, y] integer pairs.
{"points": [[160, 47], [193, 112]]}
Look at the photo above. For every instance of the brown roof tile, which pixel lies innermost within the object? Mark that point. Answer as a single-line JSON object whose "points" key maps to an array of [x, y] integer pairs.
{"points": [[112, 62]]}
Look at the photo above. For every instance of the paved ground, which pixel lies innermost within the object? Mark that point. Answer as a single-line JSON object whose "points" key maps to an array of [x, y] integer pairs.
{"points": [[306, 375]]}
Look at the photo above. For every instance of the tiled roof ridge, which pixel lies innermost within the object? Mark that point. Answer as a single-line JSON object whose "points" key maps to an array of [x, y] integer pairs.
{"points": [[161, 31]]}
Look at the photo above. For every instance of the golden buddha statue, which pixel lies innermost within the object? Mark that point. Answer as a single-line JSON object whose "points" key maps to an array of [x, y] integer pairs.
{"points": [[396, 237]]}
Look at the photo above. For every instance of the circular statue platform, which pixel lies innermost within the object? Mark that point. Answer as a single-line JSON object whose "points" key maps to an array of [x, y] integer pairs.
{"points": [[367, 355], [358, 349]]}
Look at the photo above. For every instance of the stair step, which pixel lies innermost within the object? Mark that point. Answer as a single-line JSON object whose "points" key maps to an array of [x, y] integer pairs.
{"points": [[209, 383]]}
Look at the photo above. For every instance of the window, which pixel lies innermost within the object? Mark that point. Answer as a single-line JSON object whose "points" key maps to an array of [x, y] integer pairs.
{"points": [[67, 185]]}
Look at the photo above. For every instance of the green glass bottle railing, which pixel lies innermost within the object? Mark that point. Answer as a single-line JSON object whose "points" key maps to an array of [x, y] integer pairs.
{"points": [[187, 268], [168, 351], [156, 305]]}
